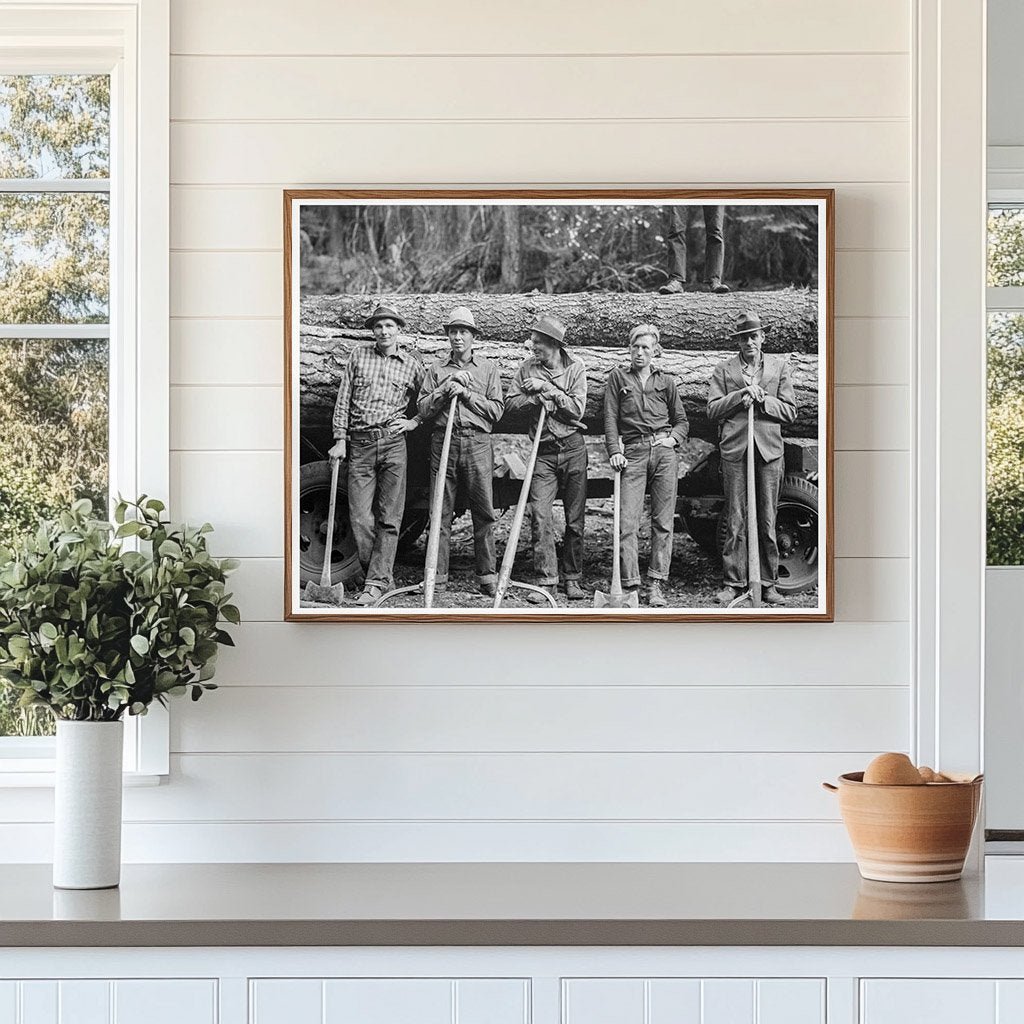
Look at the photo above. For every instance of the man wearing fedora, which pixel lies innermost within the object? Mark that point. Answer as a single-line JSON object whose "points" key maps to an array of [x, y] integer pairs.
{"points": [[477, 383], [751, 379], [370, 423], [557, 381], [644, 423]]}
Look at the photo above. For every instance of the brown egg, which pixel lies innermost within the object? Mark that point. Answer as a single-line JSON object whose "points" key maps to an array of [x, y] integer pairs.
{"points": [[927, 774], [892, 770]]}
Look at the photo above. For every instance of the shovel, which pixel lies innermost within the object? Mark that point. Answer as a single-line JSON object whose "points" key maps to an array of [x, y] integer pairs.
{"points": [[326, 592], [615, 598], [505, 575], [753, 593], [436, 504], [434, 534]]}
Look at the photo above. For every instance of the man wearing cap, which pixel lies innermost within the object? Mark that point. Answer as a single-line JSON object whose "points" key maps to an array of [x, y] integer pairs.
{"points": [[677, 219], [555, 380], [644, 423], [370, 423], [477, 383], [751, 379]]}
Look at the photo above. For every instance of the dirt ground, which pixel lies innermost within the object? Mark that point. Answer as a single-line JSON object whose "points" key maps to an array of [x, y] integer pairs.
{"points": [[693, 581]]}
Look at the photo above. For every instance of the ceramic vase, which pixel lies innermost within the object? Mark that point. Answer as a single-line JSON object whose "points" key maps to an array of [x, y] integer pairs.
{"points": [[87, 805]]}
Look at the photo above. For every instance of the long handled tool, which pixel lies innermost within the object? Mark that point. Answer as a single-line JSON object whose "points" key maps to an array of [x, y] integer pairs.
{"points": [[326, 592], [436, 504], [753, 549], [505, 575], [615, 598], [434, 534]]}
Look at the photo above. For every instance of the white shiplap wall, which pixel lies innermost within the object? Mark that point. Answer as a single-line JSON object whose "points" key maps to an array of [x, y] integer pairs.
{"points": [[423, 742]]}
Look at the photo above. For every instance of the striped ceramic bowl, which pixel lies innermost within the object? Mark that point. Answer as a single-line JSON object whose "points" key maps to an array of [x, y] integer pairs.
{"points": [[909, 833]]}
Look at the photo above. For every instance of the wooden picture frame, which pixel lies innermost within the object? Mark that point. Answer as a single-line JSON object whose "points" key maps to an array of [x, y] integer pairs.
{"points": [[324, 322]]}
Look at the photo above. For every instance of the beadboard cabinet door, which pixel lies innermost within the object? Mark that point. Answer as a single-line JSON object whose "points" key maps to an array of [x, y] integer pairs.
{"points": [[388, 1001], [693, 1001], [941, 1001], [109, 1001]]}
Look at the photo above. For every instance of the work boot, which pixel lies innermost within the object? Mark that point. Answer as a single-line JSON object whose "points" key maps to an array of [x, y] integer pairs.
{"points": [[728, 594], [488, 588], [535, 598], [369, 595], [717, 287], [769, 595], [672, 287], [573, 590], [655, 598]]}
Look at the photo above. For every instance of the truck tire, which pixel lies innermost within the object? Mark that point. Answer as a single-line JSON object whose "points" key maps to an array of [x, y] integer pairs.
{"points": [[314, 504], [796, 530]]}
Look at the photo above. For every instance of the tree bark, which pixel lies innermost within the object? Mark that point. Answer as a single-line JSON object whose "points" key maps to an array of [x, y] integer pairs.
{"points": [[692, 320], [323, 352]]}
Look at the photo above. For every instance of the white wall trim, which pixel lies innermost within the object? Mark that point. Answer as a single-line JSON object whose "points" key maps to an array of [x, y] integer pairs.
{"points": [[950, 380]]}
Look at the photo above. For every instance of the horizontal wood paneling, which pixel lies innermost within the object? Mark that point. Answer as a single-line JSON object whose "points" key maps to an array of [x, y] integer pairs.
{"points": [[867, 589], [464, 842], [420, 654], [405, 26], [208, 418], [250, 284], [871, 216], [868, 418], [662, 717], [411, 153], [411, 787], [871, 350], [242, 493], [218, 352], [538, 88]]}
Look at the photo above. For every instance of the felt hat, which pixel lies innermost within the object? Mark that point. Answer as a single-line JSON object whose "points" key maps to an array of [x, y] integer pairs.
{"points": [[461, 316], [382, 313], [747, 323], [551, 327]]}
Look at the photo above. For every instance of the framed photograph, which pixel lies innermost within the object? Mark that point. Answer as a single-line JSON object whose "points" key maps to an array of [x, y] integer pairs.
{"points": [[566, 405]]}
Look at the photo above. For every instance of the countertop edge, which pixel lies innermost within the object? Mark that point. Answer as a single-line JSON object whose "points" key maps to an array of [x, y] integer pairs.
{"points": [[279, 933]]}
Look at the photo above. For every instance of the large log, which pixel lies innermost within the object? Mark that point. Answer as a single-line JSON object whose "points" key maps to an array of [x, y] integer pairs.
{"points": [[690, 320], [323, 352]]}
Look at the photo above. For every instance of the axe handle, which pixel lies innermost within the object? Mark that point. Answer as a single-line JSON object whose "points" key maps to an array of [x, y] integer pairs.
{"points": [[325, 573], [616, 589], [436, 504], [753, 550], [508, 560]]}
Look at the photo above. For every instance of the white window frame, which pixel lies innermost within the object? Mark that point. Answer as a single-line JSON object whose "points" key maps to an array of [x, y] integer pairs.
{"points": [[130, 41]]}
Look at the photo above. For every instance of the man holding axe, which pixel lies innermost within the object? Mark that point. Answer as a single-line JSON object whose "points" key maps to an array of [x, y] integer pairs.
{"points": [[476, 383], [553, 380], [370, 423], [751, 380], [644, 423]]}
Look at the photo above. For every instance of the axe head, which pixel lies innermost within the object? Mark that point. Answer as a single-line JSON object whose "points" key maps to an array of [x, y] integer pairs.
{"points": [[629, 599]]}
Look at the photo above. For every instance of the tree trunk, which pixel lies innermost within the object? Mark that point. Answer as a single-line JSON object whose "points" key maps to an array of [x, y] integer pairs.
{"points": [[323, 352], [511, 248], [692, 320]]}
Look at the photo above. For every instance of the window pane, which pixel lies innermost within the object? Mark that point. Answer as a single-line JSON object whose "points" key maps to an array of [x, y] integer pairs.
{"points": [[1005, 246], [54, 126], [1006, 439], [53, 449], [54, 258]]}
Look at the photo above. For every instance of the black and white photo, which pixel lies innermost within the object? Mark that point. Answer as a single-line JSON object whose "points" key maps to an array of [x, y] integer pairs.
{"points": [[569, 405]]}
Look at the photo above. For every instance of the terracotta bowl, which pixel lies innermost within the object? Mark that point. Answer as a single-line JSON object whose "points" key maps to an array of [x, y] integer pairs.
{"points": [[909, 833]]}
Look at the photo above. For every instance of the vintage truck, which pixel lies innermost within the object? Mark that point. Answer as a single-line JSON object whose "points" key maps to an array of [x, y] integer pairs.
{"points": [[694, 338]]}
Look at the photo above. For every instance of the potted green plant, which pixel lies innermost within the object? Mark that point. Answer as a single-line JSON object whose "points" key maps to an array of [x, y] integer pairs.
{"points": [[99, 620]]}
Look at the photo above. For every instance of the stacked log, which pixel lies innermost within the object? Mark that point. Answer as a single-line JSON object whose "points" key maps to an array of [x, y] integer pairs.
{"points": [[695, 338]]}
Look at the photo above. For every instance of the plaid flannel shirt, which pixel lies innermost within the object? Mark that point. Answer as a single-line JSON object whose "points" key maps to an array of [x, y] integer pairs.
{"points": [[375, 390]]}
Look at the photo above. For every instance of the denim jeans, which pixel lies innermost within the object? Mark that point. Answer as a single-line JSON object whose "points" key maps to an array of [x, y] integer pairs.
{"points": [[767, 481], [656, 467], [471, 464], [376, 503], [678, 220], [561, 471]]}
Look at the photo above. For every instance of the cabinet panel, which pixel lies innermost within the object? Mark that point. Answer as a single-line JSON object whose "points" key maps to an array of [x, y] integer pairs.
{"points": [[928, 1001], [38, 1002], [674, 1001], [1009, 1002], [388, 1001], [790, 1001], [491, 1001], [603, 1001], [727, 1001], [83, 1002], [8, 1002], [165, 1002], [286, 1001]]}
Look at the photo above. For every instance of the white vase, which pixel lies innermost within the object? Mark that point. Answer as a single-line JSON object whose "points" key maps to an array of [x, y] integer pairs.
{"points": [[87, 805]]}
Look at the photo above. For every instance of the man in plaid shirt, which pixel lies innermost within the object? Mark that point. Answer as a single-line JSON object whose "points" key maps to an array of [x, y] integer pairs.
{"points": [[370, 424]]}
